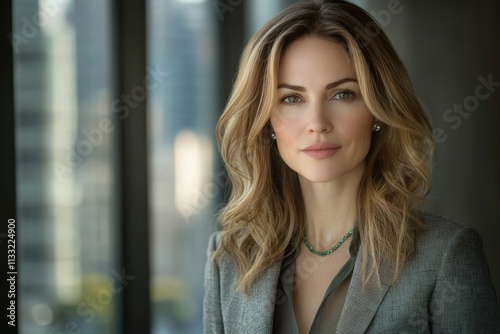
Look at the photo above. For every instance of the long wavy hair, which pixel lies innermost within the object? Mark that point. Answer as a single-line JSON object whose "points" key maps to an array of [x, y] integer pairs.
{"points": [[265, 210]]}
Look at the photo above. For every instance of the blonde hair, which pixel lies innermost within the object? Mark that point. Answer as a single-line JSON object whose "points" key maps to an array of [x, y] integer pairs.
{"points": [[265, 210]]}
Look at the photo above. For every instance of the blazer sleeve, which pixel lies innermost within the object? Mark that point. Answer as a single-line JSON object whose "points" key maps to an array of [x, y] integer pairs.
{"points": [[464, 298], [212, 314]]}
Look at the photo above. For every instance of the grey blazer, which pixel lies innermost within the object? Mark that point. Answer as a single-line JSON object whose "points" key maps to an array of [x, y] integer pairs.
{"points": [[444, 288]]}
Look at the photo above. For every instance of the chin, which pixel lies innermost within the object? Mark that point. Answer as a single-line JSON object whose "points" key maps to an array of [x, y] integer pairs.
{"points": [[318, 178]]}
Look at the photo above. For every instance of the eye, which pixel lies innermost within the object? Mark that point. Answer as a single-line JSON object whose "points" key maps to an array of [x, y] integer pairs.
{"points": [[291, 99], [344, 95]]}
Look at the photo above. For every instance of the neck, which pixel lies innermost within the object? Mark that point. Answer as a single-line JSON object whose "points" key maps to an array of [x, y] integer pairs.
{"points": [[330, 208]]}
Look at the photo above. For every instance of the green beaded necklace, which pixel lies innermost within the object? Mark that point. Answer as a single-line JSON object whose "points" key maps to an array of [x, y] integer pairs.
{"points": [[325, 253]]}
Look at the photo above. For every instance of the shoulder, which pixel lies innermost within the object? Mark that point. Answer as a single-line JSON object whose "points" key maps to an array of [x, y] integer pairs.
{"points": [[439, 224], [444, 287], [213, 242], [223, 265], [449, 252], [444, 249], [440, 233], [450, 266], [220, 279]]}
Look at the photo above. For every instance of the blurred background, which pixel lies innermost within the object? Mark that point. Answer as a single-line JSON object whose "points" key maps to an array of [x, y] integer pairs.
{"points": [[118, 175]]}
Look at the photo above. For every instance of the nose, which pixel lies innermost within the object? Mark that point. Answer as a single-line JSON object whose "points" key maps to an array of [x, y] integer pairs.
{"points": [[319, 121]]}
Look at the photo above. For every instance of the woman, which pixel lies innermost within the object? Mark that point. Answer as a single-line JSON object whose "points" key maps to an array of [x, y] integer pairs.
{"points": [[328, 152]]}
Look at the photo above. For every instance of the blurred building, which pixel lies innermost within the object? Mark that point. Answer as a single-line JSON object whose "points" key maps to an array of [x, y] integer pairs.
{"points": [[183, 42], [65, 183]]}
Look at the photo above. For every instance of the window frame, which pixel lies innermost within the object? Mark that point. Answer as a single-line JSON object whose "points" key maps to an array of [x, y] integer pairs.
{"points": [[132, 177], [7, 137]]}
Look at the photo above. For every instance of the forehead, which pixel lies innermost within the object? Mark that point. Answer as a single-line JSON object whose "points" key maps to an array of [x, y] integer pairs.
{"points": [[314, 58]]}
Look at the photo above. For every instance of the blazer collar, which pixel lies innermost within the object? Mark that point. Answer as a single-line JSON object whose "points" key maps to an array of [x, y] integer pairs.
{"points": [[361, 303], [359, 308]]}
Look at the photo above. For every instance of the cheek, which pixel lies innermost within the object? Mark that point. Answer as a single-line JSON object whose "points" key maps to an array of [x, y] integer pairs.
{"points": [[357, 128], [285, 127], [283, 123], [287, 132]]}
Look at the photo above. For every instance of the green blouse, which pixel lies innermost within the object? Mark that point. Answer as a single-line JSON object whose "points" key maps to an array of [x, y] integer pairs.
{"points": [[329, 311]]}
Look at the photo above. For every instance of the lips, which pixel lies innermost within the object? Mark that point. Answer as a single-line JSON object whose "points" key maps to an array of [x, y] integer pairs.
{"points": [[321, 150]]}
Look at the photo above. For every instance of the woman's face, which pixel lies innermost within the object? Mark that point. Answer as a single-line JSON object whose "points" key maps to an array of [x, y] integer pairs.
{"points": [[323, 127]]}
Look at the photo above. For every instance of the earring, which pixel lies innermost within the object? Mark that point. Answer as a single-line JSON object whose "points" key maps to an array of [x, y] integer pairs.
{"points": [[376, 127], [273, 136]]}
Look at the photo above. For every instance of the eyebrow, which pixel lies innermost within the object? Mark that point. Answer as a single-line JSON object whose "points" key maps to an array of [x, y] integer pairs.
{"points": [[329, 86]]}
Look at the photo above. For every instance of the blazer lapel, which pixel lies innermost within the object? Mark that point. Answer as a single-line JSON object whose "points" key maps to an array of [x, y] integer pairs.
{"points": [[362, 303], [259, 307]]}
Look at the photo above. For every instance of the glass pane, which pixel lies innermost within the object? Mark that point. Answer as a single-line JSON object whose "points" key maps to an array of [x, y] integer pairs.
{"points": [[183, 185], [68, 276]]}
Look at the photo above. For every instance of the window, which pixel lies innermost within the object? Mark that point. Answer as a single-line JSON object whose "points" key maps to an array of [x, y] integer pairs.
{"points": [[183, 183], [65, 182]]}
